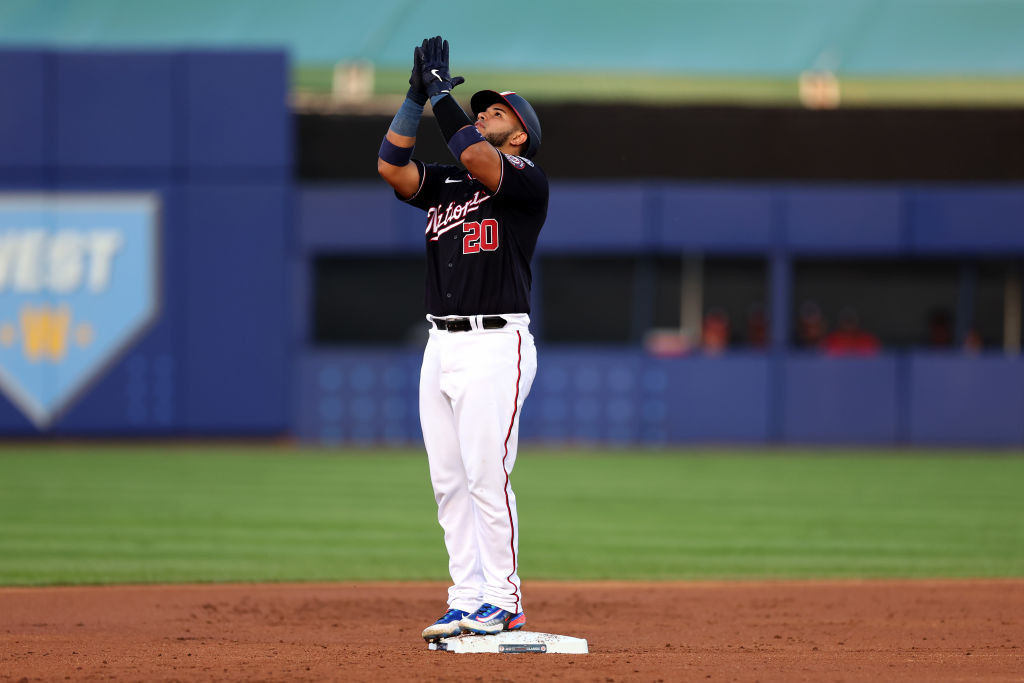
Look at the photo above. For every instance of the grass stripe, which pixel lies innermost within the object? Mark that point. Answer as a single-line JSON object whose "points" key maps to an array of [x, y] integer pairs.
{"points": [[154, 513]]}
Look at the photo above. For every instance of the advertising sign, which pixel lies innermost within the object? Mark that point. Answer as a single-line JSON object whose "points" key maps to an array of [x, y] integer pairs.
{"points": [[79, 283]]}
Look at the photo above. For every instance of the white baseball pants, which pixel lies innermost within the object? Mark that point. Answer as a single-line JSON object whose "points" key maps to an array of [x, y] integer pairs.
{"points": [[472, 388]]}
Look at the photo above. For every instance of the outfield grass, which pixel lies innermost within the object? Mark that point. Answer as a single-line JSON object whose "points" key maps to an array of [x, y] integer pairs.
{"points": [[113, 514]]}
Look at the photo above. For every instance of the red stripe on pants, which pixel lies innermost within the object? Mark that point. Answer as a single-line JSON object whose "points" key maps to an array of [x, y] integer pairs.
{"points": [[508, 506]]}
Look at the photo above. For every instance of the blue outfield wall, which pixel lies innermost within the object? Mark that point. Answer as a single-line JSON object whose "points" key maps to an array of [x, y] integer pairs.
{"points": [[966, 401], [589, 396], [842, 399], [579, 395], [850, 219], [226, 347], [601, 395], [209, 135]]}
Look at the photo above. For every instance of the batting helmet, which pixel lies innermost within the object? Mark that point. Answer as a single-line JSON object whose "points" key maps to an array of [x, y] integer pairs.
{"points": [[523, 111]]}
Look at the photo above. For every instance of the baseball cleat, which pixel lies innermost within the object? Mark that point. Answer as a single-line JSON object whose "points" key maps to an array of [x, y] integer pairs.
{"points": [[489, 620], [446, 626]]}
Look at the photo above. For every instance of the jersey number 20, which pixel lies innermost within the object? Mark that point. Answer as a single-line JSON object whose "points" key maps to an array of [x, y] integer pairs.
{"points": [[480, 236]]}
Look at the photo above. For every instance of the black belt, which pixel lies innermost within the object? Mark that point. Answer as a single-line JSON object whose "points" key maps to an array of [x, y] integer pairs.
{"points": [[489, 322]]}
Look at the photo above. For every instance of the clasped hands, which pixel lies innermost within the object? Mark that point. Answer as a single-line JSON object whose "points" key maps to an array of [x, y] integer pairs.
{"points": [[430, 72]]}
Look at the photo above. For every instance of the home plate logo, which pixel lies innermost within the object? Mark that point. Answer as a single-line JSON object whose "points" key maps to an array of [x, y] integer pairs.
{"points": [[78, 285], [512, 642]]}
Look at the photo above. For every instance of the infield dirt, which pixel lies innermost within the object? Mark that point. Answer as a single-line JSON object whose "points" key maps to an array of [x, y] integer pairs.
{"points": [[926, 630]]}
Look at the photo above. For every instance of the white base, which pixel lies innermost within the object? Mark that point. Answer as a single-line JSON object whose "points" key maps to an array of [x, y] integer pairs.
{"points": [[510, 642]]}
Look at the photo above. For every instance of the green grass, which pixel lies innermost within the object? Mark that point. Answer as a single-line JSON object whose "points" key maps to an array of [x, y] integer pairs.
{"points": [[668, 88], [170, 513]]}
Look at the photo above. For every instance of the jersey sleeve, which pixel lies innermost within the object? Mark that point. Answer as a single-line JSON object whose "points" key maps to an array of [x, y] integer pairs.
{"points": [[522, 183], [431, 180]]}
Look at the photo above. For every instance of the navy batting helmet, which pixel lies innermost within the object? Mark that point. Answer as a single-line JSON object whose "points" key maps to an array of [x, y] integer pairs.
{"points": [[523, 111]]}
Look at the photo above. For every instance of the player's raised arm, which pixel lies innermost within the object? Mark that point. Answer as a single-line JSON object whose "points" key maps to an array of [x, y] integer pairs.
{"points": [[394, 160], [466, 142]]}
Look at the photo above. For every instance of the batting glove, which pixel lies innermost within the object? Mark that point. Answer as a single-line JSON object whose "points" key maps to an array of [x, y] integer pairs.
{"points": [[436, 78]]}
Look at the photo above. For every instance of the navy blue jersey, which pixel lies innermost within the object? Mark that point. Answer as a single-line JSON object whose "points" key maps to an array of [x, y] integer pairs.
{"points": [[479, 244]]}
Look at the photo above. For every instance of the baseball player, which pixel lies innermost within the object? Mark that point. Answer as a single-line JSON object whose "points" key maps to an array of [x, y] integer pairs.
{"points": [[483, 219]]}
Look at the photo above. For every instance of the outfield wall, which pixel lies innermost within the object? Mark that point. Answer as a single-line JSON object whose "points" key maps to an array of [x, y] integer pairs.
{"points": [[226, 347], [627, 396], [619, 395], [209, 135]]}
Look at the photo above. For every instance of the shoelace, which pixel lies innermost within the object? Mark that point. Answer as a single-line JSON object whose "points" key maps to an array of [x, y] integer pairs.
{"points": [[487, 610]]}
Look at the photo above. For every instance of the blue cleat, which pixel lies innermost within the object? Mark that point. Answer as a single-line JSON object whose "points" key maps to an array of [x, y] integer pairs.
{"points": [[446, 626], [489, 620]]}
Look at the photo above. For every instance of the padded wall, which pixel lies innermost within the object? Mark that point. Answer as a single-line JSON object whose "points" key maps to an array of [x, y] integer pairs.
{"points": [[856, 219], [209, 133], [594, 396], [600, 395], [24, 124]]}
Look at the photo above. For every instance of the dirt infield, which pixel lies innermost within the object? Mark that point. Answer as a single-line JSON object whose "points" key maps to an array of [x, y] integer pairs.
{"points": [[765, 631]]}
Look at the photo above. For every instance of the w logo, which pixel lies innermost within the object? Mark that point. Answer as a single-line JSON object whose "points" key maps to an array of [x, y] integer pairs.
{"points": [[45, 332], [78, 284]]}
